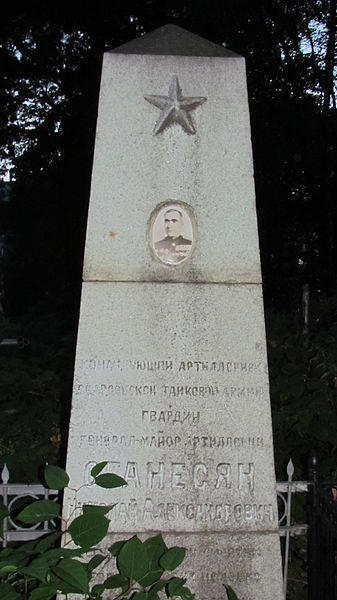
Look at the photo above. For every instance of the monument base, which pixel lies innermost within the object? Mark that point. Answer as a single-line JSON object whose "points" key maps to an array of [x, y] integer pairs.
{"points": [[246, 562]]}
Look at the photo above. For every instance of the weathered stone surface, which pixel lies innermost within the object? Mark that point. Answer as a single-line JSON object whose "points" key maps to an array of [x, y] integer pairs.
{"points": [[177, 408], [134, 171], [171, 381], [246, 562], [182, 412]]}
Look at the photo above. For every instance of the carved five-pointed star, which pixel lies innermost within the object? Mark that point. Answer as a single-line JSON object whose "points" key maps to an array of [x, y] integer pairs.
{"points": [[174, 108]]}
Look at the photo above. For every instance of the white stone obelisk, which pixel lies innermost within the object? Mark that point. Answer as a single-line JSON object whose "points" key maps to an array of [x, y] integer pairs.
{"points": [[171, 380]]}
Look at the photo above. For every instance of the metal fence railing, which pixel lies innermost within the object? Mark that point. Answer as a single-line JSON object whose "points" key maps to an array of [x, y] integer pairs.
{"points": [[15, 495], [287, 529]]}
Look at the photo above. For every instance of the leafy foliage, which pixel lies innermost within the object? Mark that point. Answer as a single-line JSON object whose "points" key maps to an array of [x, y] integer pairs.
{"points": [[303, 379], [35, 388], [38, 570], [56, 478], [41, 510]]}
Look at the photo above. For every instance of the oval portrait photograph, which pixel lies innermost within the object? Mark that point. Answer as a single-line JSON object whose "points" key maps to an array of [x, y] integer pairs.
{"points": [[172, 232]]}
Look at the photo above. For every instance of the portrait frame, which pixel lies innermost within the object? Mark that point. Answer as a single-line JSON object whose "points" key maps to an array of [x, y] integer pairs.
{"points": [[172, 232]]}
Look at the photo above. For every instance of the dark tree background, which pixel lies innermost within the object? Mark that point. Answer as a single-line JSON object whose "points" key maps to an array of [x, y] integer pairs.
{"points": [[50, 64]]}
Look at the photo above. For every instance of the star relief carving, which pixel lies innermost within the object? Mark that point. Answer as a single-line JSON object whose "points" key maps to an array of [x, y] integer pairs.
{"points": [[175, 108]]}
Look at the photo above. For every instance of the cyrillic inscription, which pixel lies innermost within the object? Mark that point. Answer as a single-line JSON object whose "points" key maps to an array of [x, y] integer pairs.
{"points": [[171, 416], [226, 513], [152, 512], [161, 439], [224, 366], [181, 475], [171, 391], [116, 390], [193, 475]]}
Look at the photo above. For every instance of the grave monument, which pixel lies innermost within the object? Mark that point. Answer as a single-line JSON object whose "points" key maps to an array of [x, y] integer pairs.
{"points": [[171, 380]]}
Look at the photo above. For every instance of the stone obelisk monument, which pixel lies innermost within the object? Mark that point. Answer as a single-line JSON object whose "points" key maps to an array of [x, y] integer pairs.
{"points": [[171, 381]]}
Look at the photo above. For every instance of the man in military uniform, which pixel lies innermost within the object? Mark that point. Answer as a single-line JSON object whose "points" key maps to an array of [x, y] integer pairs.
{"points": [[174, 247]]}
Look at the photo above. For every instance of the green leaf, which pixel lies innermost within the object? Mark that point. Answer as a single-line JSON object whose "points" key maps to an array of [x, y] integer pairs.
{"points": [[155, 547], [116, 581], [231, 595], [28, 547], [56, 478], [47, 541], [132, 560], [41, 510], [7, 567], [8, 593], [174, 586], [5, 552], [109, 480], [98, 468], [88, 530], [140, 596], [14, 562], [151, 577], [74, 573], [95, 562], [98, 590], [97, 510], [186, 594], [43, 592], [172, 558], [65, 587], [157, 587], [115, 548], [37, 569], [155, 542], [54, 554]]}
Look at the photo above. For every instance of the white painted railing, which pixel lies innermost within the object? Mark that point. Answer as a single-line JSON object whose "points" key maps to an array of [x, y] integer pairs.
{"points": [[13, 494], [285, 490]]}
